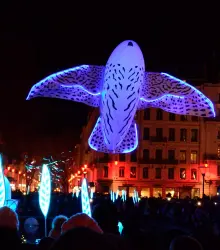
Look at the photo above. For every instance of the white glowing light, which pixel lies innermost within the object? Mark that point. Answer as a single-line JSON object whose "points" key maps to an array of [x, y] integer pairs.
{"points": [[45, 190], [85, 198]]}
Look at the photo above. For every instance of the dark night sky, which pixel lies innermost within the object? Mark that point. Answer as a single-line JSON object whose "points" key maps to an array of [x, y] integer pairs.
{"points": [[37, 40]]}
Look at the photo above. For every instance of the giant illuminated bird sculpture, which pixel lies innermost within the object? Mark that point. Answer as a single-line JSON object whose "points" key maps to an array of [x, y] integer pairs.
{"points": [[120, 89]]}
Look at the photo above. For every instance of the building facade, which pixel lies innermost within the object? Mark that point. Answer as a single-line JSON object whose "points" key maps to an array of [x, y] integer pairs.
{"points": [[173, 153]]}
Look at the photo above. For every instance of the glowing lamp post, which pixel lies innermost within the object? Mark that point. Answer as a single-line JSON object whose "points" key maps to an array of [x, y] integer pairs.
{"points": [[203, 170]]}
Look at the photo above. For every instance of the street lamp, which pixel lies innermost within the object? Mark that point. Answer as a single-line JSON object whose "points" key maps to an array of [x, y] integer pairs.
{"points": [[203, 172]]}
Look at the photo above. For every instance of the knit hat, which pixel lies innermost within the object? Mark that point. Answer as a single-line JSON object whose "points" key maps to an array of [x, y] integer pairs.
{"points": [[8, 218], [81, 220]]}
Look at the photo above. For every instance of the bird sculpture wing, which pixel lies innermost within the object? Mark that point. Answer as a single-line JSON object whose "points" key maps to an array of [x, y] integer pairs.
{"points": [[79, 84], [161, 90]]}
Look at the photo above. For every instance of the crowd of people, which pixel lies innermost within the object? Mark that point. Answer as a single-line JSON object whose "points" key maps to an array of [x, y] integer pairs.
{"points": [[152, 223]]}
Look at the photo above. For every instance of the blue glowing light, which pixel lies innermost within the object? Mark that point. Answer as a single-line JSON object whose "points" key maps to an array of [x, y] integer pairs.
{"points": [[161, 98], [135, 197], [85, 198], [80, 87], [116, 196], [2, 184], [45, 190], [120, 227], [196, 90], [136, 142], [124, 195], [90, 137], [77, 193]]}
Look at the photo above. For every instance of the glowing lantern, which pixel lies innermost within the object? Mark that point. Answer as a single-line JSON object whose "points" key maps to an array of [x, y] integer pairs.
{"points": [[45, 193], [85, 198]]}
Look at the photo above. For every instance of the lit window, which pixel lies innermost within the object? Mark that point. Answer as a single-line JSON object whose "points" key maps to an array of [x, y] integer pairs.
{"points": [[193, 157], [133, 172], [218, 151], [193, 174], [182, 156], [182, 173]]}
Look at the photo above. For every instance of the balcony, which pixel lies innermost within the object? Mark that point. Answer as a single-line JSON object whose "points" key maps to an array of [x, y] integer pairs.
{"points": [[101, 160], [158, 139], [159, 161], [210, 157]]}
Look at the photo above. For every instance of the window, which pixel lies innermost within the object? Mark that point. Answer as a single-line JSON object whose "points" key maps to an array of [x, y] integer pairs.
{"points": [[146, 135], [106, 171], [147, 114], [170, 173], [159, 114], [183, 134], [171, 134], [133, 172], [218, 151], [159, 133], [193, 157], [159, 154], [218, 133], [134, 156], [146, 154], [106, 157], [172, 117], [171, 155], [182, 173], [193, 174], [158, 173], [218, 170], [121, 172], [121, 157], [194, 135], [183, 118], [145, 173], [182, 156], [195, 118]]}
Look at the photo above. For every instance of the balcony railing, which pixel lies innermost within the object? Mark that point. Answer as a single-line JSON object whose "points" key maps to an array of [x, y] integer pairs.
{"points": [[158, 139], [101, 160], [211, 157], [158, 161]]}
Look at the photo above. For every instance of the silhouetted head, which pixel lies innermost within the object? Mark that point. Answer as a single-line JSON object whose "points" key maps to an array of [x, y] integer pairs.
{"points": [[185, 242]]}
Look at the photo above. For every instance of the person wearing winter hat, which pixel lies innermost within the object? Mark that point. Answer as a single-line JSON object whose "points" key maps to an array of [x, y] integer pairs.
{"points": [[57, 223], [81, 220], [8, 218], [9, 226]]}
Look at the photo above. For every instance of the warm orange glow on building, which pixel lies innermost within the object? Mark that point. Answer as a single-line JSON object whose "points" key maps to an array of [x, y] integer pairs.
{"points": [[171, 150]]}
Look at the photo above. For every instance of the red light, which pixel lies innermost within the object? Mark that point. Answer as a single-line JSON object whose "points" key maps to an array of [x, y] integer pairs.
{"points": [[9, 168], [116, 163], [85, 165], [13, 170], [206, 165]]}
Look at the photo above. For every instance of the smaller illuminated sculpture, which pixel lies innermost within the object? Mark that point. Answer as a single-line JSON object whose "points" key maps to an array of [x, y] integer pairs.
{"points": [[86, 209], [120, 227], [120, 89], [45, 193], [2, 184]]}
